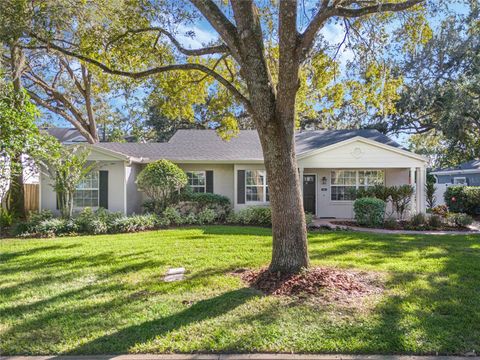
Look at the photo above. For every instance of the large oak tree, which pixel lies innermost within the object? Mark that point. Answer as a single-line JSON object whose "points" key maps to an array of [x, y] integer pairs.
{"points": [[260, 59]]}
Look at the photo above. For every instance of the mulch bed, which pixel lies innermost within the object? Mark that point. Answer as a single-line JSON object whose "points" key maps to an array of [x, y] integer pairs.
{"points": [[343, 283]]}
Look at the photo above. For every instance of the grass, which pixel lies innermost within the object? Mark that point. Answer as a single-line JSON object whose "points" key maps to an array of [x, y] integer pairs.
{"points": [[104, 294]]}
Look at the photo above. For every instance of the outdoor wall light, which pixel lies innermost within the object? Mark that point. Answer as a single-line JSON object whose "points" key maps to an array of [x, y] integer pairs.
{"points": [[324, 180]]}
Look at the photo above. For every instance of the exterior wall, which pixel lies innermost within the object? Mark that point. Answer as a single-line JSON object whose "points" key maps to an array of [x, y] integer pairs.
{"points": [[116, 188], [359, 154], [223, 183], [135, 198], [237, 167], [344, 209], [472, 179]]}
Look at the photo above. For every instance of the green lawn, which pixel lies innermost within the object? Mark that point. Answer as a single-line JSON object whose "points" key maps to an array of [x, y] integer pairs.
{"points": [[104, 294]]}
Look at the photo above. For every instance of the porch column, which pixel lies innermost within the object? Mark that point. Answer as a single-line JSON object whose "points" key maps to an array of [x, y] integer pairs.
{"points": [[413, 201], [421, 181]]}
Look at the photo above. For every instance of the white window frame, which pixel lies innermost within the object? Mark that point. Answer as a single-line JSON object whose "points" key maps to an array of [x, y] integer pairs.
{"points": [[89, 189], [264, 186], [357, 182], [204, 186], [464, 178]]}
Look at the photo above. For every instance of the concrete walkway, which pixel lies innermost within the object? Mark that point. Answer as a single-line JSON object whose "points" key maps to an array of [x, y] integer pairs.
{"points": [[474, 229], [236, 357]]}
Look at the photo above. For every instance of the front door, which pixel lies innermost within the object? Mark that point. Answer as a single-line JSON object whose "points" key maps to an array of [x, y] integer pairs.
{"points": [[309, 193]]}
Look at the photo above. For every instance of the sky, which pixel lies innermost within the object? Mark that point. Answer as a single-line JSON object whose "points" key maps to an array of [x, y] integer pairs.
{"points": [[205, 34]]}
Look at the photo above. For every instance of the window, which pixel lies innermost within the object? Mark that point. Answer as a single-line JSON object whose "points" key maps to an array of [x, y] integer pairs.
{"points": [[196, 181], [460, 180], [343, 182], [256, 187], [87, 192]]}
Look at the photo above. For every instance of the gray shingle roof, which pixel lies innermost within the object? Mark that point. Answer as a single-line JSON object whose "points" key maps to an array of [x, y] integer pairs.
{"points": [[65, 134], [469, 165], [206, 145]]}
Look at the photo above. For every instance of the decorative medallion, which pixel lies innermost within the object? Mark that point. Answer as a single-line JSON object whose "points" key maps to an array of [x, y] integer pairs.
{"points": [[357, 153]]}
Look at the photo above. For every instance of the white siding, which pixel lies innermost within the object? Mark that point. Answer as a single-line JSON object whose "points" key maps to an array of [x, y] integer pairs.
{"points": [[116, 188]]}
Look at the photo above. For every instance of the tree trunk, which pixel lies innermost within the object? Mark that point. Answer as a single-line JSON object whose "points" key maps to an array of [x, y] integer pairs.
{"points": [[17, 191], [290, 251]]}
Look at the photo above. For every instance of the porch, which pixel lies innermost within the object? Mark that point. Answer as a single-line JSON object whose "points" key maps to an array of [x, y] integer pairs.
{"points": [[327, 191]]}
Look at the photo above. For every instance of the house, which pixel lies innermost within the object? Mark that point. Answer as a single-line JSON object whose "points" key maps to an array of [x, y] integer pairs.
{"points": [[330, 163], [467, 173]]}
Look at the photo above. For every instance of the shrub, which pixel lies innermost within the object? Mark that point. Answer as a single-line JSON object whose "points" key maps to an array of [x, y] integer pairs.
{"points": [[378, 191], [134, 223], [435, 221], [95, 222], [430, 189], [55, 227], [6, 218], [29, 227], [206, 216], [197, 202], [254, 215], [160, 181], [369, 211], [465, 199], [172, 215], [391, 223], [308, 219], [418, 220], [460, 220], [440, 210], [401, 197]]}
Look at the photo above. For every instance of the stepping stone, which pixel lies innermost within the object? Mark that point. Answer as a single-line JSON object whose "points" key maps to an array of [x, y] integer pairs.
{"points": [[174, 274]]}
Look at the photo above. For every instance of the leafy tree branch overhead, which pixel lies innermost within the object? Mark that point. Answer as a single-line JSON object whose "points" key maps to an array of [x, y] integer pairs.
{"points": [[266, 60]]}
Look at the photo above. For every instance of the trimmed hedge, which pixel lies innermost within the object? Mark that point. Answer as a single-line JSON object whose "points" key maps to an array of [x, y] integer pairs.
{"points": [[369, 211], [463, 199]]}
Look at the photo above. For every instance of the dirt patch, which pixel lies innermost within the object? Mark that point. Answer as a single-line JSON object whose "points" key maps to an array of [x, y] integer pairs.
{"points": [[332, 283]]}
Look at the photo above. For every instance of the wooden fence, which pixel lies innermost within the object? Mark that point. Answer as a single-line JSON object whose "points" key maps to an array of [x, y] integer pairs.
{"points": [[32, 197]]}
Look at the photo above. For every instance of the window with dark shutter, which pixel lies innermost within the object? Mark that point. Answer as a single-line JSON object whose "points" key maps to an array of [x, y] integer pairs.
{"points": [[241, 187], [209, 181], [103, 186]]}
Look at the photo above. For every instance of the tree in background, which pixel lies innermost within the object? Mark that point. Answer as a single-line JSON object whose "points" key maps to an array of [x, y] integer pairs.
{"points": [[160, 181], [18, 136]]}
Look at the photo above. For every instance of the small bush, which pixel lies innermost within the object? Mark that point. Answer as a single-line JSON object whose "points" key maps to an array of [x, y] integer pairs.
{"points": [[459, 220], [308, 219], [463, 199], [418, 220], [134, 223], [172, 215], [254, 215], [29, 227], [440, 210], [95, 222], [435, 221], [6, 218], [55, 227], [369, 212], [206, 216], [391, 223]]}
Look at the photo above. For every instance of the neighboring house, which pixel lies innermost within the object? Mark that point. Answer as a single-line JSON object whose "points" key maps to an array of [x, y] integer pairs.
{"points": [[467, 174], [330, 163]]}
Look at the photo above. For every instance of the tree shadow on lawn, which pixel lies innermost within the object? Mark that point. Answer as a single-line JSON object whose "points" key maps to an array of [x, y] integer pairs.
{"points": [[432, 302]]}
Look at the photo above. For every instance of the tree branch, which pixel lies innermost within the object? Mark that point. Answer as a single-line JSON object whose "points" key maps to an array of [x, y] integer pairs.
{"points": [[357, 12], [224, 27], [153, 71], [217, 49]]}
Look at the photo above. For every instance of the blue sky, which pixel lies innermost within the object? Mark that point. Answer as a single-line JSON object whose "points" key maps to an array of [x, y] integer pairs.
{"points": [[205, 34]]}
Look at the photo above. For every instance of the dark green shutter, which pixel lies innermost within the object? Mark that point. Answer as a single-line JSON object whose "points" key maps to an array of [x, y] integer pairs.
{"points": [[209, 181], [103, 185], [241, 187]]}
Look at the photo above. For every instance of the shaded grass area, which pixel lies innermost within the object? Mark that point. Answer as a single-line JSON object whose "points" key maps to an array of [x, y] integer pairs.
{"points": [[104, 294]]}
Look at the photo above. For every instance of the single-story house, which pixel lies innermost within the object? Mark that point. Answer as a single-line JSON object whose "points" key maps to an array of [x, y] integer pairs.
{"points": [[467, 174], [330, 163]]}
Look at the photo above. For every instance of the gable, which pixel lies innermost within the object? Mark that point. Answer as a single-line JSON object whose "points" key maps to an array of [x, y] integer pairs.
{"points": [[359, 152]]}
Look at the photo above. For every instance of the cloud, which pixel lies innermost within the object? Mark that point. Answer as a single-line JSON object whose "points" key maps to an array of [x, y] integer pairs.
{"points": [[202, 36], [334, 35]]}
